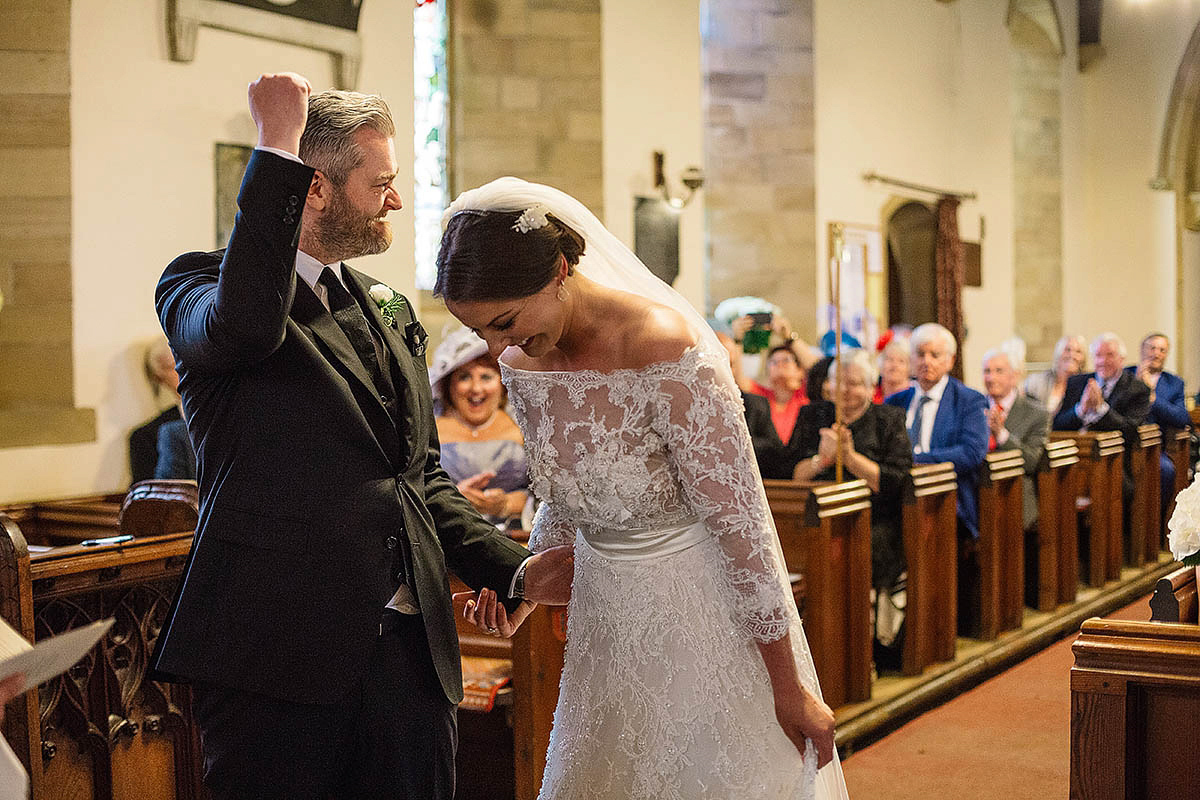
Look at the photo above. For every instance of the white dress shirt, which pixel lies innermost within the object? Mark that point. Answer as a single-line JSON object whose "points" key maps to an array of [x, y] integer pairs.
{"points": [[929, 413]]}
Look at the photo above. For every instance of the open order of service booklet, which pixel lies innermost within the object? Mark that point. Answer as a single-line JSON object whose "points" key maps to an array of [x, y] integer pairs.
{"points": [[39, 663]]}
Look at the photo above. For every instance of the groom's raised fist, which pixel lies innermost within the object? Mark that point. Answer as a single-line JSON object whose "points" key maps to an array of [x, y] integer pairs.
{"points": [[279, 107]]}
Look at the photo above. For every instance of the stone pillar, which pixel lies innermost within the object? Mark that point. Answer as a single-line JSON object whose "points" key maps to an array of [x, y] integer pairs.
{"points": [[759, 155]]}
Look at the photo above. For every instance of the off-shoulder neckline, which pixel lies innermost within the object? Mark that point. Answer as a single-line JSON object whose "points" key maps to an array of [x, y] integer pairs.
{"points": [[689, 352]]}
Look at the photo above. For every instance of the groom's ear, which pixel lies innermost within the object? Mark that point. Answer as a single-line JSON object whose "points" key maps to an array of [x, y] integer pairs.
{"points": [[318, 192]]}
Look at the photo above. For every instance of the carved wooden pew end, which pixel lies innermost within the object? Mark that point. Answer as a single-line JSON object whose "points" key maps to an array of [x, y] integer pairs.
{"points": [[1174, 598]]}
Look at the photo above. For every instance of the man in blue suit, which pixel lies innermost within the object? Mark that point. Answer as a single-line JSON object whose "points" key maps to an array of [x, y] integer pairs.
{"points": [[948, 422], [1167, 407]]}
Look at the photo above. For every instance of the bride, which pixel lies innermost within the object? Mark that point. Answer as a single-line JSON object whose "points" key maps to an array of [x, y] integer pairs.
{"points": [[687, 674]]}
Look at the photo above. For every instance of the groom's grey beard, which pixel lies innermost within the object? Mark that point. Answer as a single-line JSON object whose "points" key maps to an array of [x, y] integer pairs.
{"points": [[345, 232]]}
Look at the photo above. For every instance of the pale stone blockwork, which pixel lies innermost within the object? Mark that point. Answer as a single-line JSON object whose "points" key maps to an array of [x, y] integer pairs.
{"points": [[1037, 194], [36, 359], [759, 154], [525, 94]]}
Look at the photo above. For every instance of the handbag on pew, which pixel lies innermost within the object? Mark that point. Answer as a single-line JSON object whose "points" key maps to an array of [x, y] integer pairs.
{"points": [[159, 506]]}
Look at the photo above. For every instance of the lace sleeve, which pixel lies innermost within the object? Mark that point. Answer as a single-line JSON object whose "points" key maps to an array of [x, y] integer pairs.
{"points": [[550, 528], [701, 419]]}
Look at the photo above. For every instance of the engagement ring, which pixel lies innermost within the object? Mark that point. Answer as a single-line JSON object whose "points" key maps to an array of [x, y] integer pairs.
{"points": [[492, 631]]}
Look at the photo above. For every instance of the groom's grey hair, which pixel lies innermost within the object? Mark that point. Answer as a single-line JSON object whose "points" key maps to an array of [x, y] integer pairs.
{"points": [[334, 117]]}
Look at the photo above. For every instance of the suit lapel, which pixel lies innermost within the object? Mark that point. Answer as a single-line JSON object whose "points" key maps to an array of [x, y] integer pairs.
{"points": [[409, 373], [310, 314]]}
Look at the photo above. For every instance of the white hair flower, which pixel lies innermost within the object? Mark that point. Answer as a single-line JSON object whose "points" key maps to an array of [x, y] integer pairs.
{"points": [[1184, 526], [531, 219]]}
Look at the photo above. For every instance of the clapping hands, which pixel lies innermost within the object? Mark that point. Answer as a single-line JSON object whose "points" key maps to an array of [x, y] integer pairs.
{"points": [[1093, 397]]}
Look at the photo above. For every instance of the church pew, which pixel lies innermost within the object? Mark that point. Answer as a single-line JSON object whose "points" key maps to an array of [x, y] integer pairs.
{"points": [[1001, 543], [930, 546], [1174, 598], [825, 533], [1100, 455], [1135, 710], [100, 730], [1179, 450], [1145, 524], [74, 519], [1059, 479]]}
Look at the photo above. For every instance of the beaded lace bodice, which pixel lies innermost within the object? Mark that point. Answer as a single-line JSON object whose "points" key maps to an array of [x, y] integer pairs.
{"points": [[653, 448]]}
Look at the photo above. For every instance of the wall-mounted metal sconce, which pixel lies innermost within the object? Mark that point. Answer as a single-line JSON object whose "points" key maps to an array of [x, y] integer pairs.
{"points": [[692, 178]]}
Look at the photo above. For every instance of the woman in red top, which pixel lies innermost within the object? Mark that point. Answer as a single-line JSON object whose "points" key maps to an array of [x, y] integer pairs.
{"points": [[785, 390]]}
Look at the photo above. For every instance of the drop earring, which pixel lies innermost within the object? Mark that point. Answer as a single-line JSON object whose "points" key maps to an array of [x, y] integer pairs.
{"points": [[561, 294]]}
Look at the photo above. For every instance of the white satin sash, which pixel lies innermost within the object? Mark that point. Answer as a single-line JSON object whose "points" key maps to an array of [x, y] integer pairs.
{"points": [[638, 544]]}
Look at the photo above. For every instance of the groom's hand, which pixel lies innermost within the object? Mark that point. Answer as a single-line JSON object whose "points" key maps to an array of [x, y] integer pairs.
{"points": [[279, 107], [548, 576]]}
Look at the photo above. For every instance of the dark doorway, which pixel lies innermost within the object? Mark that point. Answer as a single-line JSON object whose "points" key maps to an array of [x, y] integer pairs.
{"points": [[912, 286]]}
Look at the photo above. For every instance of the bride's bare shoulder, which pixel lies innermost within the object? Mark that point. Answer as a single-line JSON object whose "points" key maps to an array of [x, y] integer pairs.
{"points": [[656, 334]]}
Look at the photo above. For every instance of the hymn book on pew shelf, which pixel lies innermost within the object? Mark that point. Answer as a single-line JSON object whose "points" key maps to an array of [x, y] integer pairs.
{"points": [[49, 657]]}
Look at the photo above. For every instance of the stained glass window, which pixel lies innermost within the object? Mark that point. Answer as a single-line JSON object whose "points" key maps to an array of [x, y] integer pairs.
{"points": [[430, 190]]}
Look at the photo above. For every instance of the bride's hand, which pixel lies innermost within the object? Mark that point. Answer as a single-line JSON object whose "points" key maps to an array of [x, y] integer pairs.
{"points": [[803, 716], [486, 612]]}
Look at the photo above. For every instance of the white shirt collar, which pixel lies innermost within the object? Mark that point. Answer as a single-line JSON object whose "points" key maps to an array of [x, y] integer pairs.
{"points": [[935, 391], [1006, 402], [309, 269]]}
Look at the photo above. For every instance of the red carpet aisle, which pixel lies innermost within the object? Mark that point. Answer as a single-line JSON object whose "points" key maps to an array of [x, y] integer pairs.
{"points": [[1006, 739]]}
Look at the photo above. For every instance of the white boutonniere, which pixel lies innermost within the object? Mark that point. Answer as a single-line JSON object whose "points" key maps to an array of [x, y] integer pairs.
{"points": [[1183, 535], [390, 303]]}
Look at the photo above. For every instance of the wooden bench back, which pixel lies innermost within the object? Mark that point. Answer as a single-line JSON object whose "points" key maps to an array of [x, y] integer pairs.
{"points": [[1059, 484], [1001, 542], [931, 548], [825, 533], [1100, 455]]}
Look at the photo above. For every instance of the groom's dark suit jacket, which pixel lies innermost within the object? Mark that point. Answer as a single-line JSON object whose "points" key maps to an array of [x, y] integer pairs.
{"points": [[315, 499]]}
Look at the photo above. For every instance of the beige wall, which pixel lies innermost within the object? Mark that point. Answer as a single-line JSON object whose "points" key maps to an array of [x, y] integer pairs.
{"points": [[919, 91], [652, 101], [142, 192], [1118, 241], [911, 88]]}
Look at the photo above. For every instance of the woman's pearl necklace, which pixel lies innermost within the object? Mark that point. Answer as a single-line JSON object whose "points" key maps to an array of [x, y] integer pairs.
{"points": [[475, 430]]}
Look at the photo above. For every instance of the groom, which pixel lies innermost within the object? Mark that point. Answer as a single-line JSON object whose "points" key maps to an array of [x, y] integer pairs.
{"points": [[314, 619]]}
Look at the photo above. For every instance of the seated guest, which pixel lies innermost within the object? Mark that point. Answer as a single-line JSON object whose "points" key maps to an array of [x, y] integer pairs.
{"points": [[1015, 422], [1167, 407], [817, 375], [1108, 399], [895, 368], [875, 448], [1048, 387], [767, 448], [145, 441], [946, 421], [482, 447], [176, 456], [785, 389]]}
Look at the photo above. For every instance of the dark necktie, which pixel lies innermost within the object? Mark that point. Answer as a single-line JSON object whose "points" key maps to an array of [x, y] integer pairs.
{"points": [[350, 318], [914, 433]]}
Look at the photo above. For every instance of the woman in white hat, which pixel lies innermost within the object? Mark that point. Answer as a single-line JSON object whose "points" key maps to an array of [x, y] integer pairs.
{"points": [[482, 448]]}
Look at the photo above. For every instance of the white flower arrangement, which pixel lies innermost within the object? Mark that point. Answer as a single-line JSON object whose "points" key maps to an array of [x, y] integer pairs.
{"points": [[531, 219], [1183, 535], [389, 302], [736, 307]]}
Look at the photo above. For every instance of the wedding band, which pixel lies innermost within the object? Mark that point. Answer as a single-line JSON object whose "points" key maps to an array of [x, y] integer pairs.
{"points": [[492, 630]]}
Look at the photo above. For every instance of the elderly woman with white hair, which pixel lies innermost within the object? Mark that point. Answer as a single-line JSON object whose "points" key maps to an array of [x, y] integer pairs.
{"points": [[875, 448], [482, 447], [895, 368]]}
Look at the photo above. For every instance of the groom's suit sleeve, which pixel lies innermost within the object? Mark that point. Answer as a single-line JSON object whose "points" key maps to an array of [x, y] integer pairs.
{"points": [[475, 550], [240, 318]]}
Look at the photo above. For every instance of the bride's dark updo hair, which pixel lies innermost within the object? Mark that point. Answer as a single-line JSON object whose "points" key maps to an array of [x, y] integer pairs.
{"points": [[483, 257]]}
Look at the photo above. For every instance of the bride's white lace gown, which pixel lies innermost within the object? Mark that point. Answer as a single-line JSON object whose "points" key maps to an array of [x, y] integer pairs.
{"points": [[651, 474]]}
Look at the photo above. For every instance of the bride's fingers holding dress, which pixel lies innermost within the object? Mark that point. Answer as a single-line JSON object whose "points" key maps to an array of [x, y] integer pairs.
{"points": [[806, 718]]}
